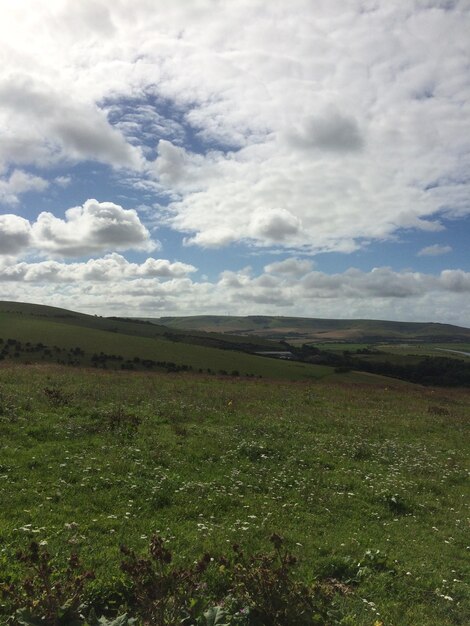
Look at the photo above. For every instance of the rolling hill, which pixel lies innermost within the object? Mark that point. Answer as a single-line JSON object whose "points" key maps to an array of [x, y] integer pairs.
{"points": [[31, 333], [301, 330]]}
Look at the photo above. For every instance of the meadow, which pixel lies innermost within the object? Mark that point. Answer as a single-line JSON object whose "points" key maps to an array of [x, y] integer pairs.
{"points": [[367, 483], [416, 349], [299, 330], [35, 333]]}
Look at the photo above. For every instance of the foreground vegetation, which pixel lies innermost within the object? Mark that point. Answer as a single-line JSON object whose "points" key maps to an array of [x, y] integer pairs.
{"points": [[367, 485]]}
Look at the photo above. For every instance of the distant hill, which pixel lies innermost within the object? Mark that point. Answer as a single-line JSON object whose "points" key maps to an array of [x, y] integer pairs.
{"points": [[315, 330], [135, 327], [36, 333], [271, 347]]}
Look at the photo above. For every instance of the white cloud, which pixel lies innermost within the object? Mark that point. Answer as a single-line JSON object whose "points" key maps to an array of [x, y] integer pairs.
{"points": [[215, 237], [290, 267], [350, 118], [112, 268], [17, 183], [164, 269], [63, 181], [15, 234], [171, 162], [92, 228], [315, 126], [113, 285], [434, 250], [42, 125], [274, 225], [456, 281], [329, 131]]}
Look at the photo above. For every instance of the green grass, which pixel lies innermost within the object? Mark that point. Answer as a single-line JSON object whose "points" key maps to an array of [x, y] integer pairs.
{"points": [[92, 340], [126, 326], [300, 329], [402, 354], [343, 346], [449, 350], [349, 473]]}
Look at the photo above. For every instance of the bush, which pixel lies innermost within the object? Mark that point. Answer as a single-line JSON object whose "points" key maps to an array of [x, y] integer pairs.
{"points": [[244, 590]]}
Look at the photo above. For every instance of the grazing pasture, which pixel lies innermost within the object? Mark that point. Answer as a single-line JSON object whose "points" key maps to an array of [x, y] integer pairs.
{"points": [[368, 484], [64, 341]]}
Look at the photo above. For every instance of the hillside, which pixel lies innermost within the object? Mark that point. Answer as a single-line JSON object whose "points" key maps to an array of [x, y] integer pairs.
{"points": [[301, 329], [32, 333]]}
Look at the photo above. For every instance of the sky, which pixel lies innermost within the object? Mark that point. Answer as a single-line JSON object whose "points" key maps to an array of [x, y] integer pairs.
{"points": [[306, 158]]}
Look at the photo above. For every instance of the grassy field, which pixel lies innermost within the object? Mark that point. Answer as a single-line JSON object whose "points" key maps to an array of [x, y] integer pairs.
{"points": [[298, 330], [125, 326], [420, 349], [367, 483], [67, 334], [450, 350]]}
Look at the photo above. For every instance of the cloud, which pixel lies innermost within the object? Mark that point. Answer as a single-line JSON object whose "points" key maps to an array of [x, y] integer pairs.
{"points": [[20, 182], [456, 281], [381, 284], [112, 268], [36, 116], [15, 234], [63, 181], [339, 116], [112, 285], [164, 269], [171, 162], [290, 267], [92, 228], [434, 250], [274, 225], [212, 238], [330, 131]]}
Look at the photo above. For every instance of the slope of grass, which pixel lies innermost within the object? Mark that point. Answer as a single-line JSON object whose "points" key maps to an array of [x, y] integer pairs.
{"points": [[133, 327], [315, 329], [50, 332], [368, 483]]}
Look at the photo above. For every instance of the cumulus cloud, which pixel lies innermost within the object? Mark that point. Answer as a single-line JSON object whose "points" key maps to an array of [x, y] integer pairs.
{"points": [[434, 250], [281, 125], [456, 281], [308, 287], [338, 115], [217, 237], [274, 225], [171, 162], [15, 234], [113, 285], [53, 127], [330, 131], [111, 268], [20, 182], [89, 229], [290, 267]]}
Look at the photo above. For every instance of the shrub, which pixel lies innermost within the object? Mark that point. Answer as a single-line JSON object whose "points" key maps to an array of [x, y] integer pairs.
{"points": [[239, 590], [47, 595]]}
